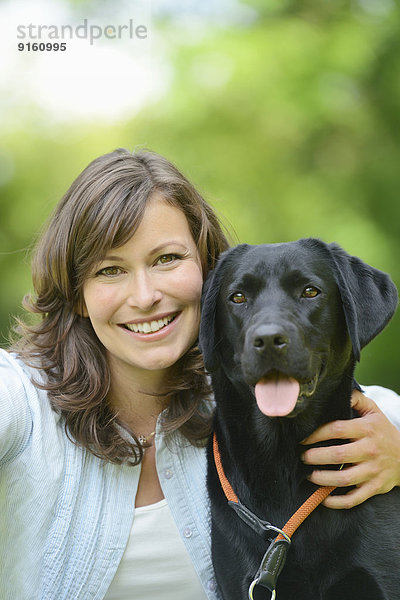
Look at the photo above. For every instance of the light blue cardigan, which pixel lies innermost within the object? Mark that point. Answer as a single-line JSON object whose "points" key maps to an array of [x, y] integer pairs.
{"points": [[65, 515]]}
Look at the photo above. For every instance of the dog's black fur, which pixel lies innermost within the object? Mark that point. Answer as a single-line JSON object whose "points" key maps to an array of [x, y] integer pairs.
{"points": [[335, 554]]}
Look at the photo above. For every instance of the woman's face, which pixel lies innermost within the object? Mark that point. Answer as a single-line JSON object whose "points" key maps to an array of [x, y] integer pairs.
{"points": [[143, 299]]}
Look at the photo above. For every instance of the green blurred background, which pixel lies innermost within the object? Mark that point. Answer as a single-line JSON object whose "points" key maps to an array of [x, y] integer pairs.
{"points": [[285, 115]]}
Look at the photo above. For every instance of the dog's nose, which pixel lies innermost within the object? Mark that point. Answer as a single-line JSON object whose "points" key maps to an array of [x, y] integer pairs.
{"points": [[270, 337]]}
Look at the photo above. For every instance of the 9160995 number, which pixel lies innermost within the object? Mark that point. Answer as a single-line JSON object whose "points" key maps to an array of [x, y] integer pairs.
{"points": [[42, 47]]}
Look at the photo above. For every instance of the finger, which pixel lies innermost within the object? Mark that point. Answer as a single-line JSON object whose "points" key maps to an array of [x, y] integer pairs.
{"points": [[353, 452], [348, 429], [353, 475], [330, 431], [352, 498], [362, 404], [351, 430]]}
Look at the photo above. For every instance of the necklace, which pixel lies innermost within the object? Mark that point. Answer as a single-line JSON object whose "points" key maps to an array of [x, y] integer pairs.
{"points": [[144, 439]]}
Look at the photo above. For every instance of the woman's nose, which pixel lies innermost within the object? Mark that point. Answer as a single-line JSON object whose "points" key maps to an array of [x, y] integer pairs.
{"points": [[143, 292]]}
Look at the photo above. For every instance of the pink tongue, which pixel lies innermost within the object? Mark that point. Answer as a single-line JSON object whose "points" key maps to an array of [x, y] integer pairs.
{"points": [[277, 395]]}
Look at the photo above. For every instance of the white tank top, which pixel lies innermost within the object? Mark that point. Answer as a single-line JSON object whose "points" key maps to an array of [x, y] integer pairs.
{"points": [[155, 564]]}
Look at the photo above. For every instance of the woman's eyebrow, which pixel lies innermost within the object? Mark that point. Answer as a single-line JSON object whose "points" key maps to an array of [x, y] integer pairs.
{"points": [[152, 251], [109, 257], [166, 244]]}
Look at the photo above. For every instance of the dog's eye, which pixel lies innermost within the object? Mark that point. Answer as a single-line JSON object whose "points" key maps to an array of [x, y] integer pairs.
{"points": [[310, 292], [238, 298]]}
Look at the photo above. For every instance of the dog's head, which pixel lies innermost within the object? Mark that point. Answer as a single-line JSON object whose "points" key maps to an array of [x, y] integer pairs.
{"points": [[280, 317]]}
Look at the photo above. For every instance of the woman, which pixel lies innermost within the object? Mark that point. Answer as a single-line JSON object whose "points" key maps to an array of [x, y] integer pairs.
{"points": [[105, 408]]}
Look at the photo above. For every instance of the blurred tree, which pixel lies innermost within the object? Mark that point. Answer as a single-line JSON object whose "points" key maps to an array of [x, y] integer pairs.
{"points": [[288, 124]]}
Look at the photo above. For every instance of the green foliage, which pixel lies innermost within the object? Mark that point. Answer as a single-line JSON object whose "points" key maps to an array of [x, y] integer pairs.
{"points": [[288, 125]]}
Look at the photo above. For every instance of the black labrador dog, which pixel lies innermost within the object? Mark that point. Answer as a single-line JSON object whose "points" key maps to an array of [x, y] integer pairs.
{"points": [[281, 330]]}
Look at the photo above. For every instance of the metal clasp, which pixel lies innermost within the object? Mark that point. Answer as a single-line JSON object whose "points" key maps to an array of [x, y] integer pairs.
{"points": [[262, 528], [253, 585], [271, 566]]}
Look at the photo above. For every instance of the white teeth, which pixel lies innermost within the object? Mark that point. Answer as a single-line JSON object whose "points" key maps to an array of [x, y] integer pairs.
{"points": [[149, 327]]}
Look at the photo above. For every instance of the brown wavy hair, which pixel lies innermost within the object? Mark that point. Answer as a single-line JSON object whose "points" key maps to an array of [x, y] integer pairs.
{"points": [[101, 210]]}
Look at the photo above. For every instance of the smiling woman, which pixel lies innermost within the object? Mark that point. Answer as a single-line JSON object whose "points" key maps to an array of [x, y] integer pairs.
{"points": [[127, 247], [105, 401]]}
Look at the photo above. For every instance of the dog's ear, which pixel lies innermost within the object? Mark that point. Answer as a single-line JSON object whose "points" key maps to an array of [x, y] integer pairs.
{"points": [[207, 339], [368, 295]]}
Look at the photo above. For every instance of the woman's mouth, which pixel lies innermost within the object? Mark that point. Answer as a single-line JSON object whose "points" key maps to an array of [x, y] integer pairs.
{"points": [[152, 326]]}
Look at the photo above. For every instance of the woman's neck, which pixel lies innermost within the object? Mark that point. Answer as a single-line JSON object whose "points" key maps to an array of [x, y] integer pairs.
{"points": [[138, 397]]}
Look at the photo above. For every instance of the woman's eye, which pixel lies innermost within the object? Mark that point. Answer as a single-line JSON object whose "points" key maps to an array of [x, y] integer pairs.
{"points": [[238, 298], [165, 259], [310, 292], [109, 271]]}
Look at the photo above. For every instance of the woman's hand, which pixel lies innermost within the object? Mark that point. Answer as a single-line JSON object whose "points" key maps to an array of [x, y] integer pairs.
{"points": [[372, 455]]}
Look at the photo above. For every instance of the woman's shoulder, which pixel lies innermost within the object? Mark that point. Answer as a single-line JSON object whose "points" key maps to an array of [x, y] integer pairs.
{"points": [[387, 400], [14, 372], [22, 404], [381, 394]]}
